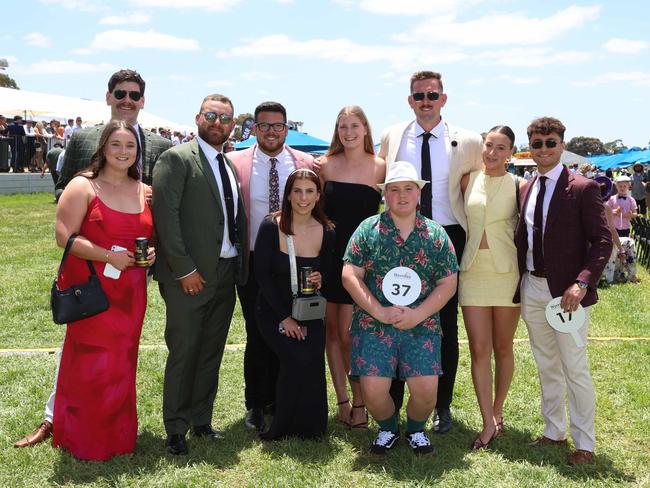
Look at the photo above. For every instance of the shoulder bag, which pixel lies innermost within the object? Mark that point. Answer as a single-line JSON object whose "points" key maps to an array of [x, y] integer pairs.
{"points": [[79, 301], [308, 307]]}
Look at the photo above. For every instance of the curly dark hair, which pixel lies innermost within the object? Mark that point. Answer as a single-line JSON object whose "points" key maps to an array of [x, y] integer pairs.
{"points": [[546, 126], [126, 75]]}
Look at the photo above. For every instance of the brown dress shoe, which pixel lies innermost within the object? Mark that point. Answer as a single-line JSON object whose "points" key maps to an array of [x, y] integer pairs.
{"points": [[542, 440], [43, 432], [580, 456]]}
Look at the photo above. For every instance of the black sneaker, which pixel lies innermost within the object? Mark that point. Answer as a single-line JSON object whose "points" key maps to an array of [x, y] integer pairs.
{"points": [[419, 442], [384, 441]]}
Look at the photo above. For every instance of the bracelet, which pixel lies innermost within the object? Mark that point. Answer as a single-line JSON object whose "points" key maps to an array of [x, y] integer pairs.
{"points": [[107, 259]]}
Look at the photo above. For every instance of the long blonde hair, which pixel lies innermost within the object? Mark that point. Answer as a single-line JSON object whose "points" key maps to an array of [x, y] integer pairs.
{"points": [[336, 146]]}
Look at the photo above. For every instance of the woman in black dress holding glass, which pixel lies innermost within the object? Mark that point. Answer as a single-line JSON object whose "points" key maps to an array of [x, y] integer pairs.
{"points": [[350, 172], [301, 392]]}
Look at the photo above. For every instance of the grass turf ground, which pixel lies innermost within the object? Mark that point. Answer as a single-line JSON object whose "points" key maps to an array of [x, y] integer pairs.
{"points": [[620, 369]]}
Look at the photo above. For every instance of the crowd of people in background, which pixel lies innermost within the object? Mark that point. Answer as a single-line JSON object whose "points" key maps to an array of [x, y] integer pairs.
{"points": [[30, 141]]}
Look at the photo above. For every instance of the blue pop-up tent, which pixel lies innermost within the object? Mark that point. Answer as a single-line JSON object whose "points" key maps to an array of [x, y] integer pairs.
{"points": [[297, 140], [622, 159]]}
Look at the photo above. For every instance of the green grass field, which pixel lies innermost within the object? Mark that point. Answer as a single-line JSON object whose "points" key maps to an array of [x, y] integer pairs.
{"points": [[29, 257]]}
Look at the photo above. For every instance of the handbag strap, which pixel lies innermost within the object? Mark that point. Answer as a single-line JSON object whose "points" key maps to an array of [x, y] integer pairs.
{"points": [[68, 246], [292, 266]]}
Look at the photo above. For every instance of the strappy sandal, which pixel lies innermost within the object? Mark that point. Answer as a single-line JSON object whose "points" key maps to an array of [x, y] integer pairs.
{"points": [[500, 428], [364, 424], [478, 444], [348, 424]]}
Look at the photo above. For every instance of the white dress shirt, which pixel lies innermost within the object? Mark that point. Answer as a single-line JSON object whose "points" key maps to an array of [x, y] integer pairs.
{"points": [[411, 150], [228, 250], [259, 186], [552, 176]]}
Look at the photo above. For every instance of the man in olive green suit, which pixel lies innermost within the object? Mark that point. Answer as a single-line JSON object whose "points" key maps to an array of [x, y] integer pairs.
{"points": [[125, 96], [203, 233]]}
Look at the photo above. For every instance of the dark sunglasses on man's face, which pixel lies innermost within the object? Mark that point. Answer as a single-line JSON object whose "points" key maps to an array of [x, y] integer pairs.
{"points": [[538, 143], [419, 96], [133, 95], [212, 116]]}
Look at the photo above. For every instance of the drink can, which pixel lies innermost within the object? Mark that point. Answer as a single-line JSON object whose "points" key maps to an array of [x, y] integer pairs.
{"points": [[141, 246], [306, 286]]}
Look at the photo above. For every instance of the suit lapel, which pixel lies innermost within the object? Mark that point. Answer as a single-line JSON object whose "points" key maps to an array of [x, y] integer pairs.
{"points": [[203, 164], [561, 189]]}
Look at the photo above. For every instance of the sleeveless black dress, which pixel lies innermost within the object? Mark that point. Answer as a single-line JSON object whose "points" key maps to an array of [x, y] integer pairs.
{"points": [[347, 205]]}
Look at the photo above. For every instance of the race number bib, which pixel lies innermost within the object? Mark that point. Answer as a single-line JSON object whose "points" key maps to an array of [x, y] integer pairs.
{"points": [[567, 322], [401, 286]]}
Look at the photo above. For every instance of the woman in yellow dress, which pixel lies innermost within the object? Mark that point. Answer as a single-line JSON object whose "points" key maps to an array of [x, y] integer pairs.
{"points": [[489, 277]]}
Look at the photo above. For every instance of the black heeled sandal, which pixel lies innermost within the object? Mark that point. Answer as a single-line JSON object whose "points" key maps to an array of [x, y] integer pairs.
{"points": [[360, 425], [348, 424]]}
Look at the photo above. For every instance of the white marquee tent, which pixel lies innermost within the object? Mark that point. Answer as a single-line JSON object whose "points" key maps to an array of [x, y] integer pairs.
{"points": [[45, 106]]}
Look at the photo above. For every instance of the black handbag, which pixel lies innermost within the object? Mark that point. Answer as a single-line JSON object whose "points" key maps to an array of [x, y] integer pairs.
{"points": [[79, 301]]}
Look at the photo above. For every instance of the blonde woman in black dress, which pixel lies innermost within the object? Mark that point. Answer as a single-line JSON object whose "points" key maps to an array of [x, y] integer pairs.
{"points": [[349, 172]]}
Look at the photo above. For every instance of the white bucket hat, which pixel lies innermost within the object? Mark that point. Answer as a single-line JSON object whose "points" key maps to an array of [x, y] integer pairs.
{"points": [[623, 179], [402, 171]]}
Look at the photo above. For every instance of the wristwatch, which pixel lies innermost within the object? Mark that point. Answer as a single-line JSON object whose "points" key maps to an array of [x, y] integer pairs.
{"points": [[582, 284]]}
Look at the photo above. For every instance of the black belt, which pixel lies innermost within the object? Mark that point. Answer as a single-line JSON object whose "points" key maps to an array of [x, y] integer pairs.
{"points": [[538, 274]]}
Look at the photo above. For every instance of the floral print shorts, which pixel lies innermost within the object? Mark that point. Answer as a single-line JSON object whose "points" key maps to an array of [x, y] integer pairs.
{"points": [[392, 352]]}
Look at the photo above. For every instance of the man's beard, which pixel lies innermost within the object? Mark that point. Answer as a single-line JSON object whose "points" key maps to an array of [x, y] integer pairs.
{"points": [[214, 139]]}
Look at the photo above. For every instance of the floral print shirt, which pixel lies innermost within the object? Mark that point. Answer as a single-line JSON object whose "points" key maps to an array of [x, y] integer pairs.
{"points": [[377, 247]]}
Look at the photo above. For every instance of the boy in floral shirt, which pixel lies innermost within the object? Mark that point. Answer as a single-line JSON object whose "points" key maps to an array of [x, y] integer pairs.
{"points": [[390, 338]]}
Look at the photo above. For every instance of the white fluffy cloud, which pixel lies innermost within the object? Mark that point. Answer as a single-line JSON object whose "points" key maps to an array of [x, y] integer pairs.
{"points": [[119, 40], [63, 67], [211, 5], [339, 50], [501, 29], [133, 18], [82, 5], [639, 78], [624, 46], [408, 7], [532, 57], [37, 39]]}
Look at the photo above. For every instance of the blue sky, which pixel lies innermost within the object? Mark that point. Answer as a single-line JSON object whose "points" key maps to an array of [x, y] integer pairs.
{"points": [[502, 61]]}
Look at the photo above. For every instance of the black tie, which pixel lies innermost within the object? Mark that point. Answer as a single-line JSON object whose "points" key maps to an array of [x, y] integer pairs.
{"points": [[141, 146], [425, 196], [227, 195], [538, 223]]}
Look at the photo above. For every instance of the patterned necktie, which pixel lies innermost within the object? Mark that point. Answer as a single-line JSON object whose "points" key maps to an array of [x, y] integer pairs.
{"points": [[425, 196], [538, 224], [228, 197], [274, 187]]}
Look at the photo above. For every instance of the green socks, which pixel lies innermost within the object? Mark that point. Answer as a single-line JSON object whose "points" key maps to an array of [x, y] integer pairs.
{"points": [[414, 425], [389, 424]]}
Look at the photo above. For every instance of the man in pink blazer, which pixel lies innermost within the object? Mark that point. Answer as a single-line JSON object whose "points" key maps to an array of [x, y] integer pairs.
{"points": [[563, 244], [441, 154], [262, 171]]}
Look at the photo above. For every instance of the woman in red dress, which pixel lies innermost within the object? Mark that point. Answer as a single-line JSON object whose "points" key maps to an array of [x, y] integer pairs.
{"points": [[95, 405]]}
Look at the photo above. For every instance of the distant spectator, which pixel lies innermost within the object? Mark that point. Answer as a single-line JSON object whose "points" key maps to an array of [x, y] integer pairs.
{"points": [[51, 160], [176, 139], [30, 144], [77, 125], [16, 132], [527, 174], [623, 206], [638, 187], [67, 132], [3, 125]]}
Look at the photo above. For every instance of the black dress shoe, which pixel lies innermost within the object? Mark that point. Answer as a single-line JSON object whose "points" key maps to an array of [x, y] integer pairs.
{"points": [[176, 444], [255, 419], [442, 421], [207, 431]]}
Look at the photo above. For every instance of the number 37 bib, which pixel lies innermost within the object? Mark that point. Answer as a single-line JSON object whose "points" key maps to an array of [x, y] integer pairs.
{"points": [[401, 286]]}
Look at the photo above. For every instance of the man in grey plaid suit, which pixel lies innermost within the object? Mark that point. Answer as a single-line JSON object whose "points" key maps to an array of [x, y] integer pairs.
{"points": [[125, 96]]}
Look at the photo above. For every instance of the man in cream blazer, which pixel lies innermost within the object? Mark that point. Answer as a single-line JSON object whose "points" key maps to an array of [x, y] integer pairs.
{"points": [[452, 152]]}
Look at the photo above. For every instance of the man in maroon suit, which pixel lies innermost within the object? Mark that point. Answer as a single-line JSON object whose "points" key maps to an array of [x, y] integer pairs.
{"points": [[563, 244], [262, 171]]}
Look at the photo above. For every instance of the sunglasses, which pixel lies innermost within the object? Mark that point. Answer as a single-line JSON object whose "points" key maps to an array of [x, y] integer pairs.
{"points": [[212, 116], [277, 127], [133, 95], [419, 96], [538, 143]]}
